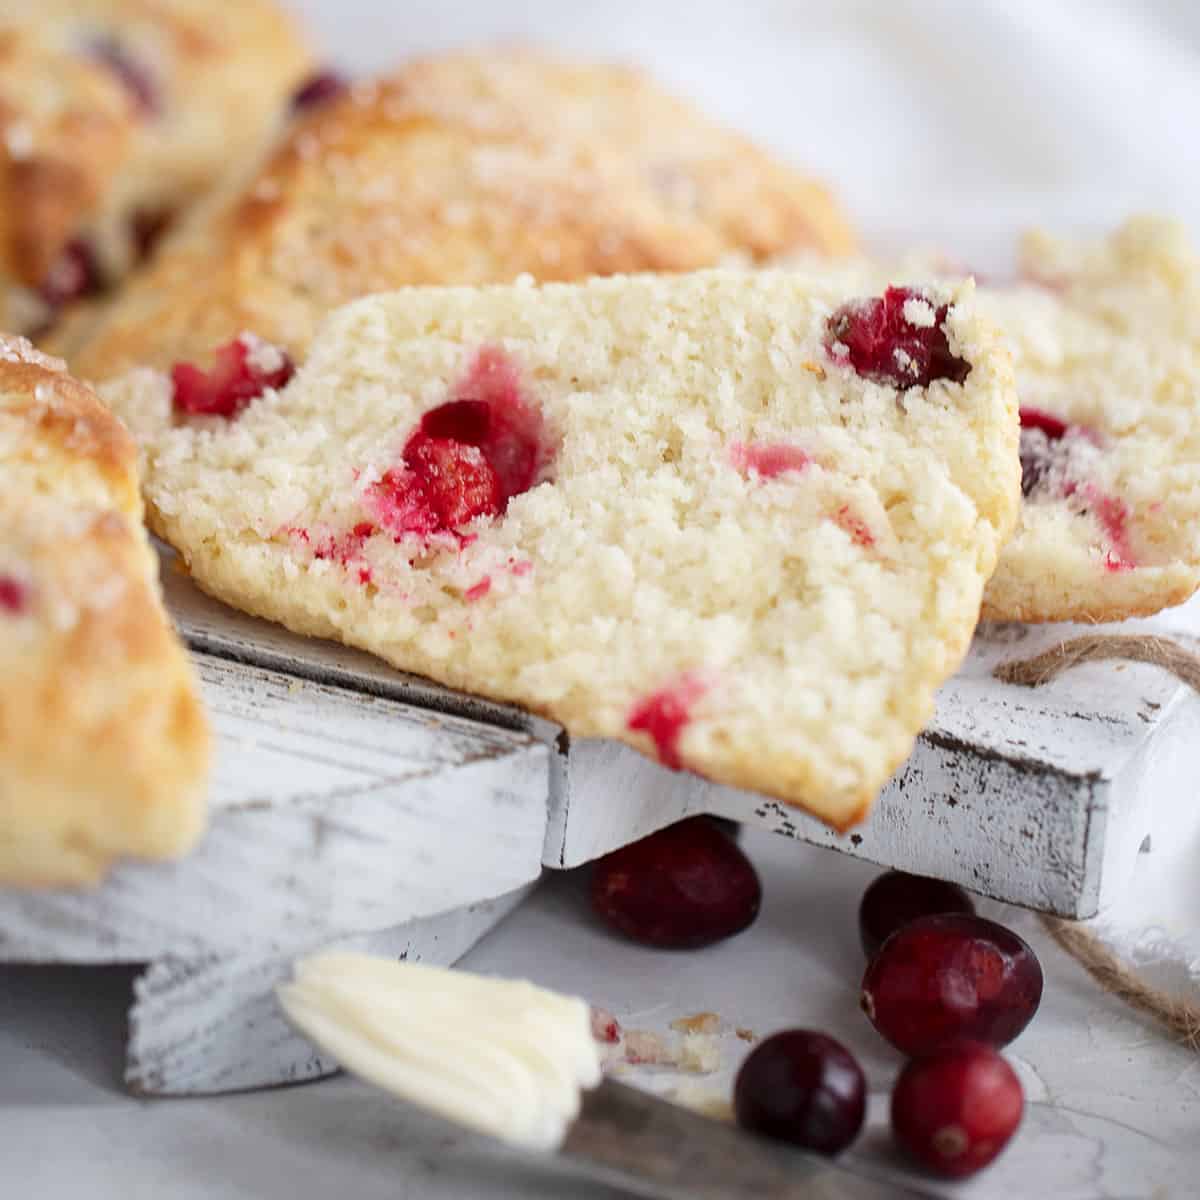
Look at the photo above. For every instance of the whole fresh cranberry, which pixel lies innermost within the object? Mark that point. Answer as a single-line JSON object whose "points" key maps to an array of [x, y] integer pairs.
{"points": [[683, 887], [802, 1087], [895, 898], [956, 1110], [729, 827], [942, 979], [898, 338]]}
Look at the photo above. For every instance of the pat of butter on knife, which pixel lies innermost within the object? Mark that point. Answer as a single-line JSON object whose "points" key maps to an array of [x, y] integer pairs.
{"points": [[503, 1057]]}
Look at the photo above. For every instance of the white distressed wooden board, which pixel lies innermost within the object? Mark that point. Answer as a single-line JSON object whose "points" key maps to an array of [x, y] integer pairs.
{"points": [[212, 1025], [1034, 797], [337, 817]]}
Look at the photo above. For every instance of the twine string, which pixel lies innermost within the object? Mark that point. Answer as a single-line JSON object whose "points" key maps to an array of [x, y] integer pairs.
{"points": [[1169, 654], [1177, 1015]]}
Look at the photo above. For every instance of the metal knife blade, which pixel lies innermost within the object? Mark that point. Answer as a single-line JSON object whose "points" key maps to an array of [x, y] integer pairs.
{"points": [[651, 1148]]}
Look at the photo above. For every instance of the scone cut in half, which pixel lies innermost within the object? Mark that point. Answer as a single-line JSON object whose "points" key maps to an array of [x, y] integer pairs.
{"points": [[468, 168], [1105, 335], [1105, 338], [115, 115], [103, 744], [739, 520]]}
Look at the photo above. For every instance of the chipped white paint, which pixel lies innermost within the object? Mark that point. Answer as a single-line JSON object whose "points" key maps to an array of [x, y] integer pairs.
{"points": [[1035, 797], [335, 815], [212, 1024], [332, 813]]}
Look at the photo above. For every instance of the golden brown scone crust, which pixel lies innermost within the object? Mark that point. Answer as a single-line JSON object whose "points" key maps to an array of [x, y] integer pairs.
{"points": [[103, 743], [82, 156], [470, 168]]}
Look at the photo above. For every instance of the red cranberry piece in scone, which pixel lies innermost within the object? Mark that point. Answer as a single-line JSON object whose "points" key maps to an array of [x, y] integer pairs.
{"points": [[1057, 459], [664, 715], [241, 372], [468, 457], [14, 595], [898, 339]]}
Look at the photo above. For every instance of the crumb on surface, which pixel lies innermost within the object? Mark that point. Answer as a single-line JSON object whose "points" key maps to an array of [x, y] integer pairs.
{"points": [[701, 1022]]}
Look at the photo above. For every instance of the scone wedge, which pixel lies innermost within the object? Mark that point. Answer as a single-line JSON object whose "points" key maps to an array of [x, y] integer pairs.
{"points": [[1105, 335], [711, 515], [103, 744], [467, 168], [115, 116]]}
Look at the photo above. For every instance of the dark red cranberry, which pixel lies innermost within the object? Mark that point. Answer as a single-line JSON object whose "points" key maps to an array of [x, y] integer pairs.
{"points": [[515, 442], [802, 1087], [14, 595], [896, 898], [941, 979], [318, 89], [74, 275], [955, 1111], [133, 74], [242, 371], [875, 338], [683, 887], [468, 457], [729, 827], [1039, 433], [1034, 418]]}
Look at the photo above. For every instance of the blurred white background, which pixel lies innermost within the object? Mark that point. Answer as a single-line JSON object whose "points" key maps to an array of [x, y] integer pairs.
{"points": [[948, 121]]}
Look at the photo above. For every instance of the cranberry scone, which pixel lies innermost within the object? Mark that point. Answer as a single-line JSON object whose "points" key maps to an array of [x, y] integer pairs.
{"points": [[711, 515], [1105, 339], [114, 116], [103, 744], [464, 169], [1106, 344]]}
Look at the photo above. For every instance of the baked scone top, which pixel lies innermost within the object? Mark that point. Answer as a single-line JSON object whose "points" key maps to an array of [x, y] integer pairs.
{"points": [[664, 509], [103, 744], [116, 114], [469, 168]]}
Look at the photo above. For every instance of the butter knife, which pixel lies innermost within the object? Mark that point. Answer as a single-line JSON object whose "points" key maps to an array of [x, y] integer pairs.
{"points": [[633, 1140]]}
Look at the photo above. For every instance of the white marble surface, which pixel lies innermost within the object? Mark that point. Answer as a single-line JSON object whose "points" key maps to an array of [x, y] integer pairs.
{"points": [[1114, 1106]]}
